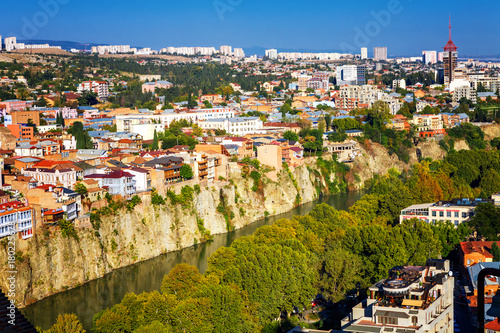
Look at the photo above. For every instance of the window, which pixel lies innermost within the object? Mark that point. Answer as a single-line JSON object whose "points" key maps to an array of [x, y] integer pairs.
{"points": [[464, 215], [433, 213], [441, 214], [456, 223], [456, 214], [448, 214]]}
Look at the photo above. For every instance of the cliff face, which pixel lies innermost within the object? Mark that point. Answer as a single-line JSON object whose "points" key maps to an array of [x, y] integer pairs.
{"points": [[49, 263]]}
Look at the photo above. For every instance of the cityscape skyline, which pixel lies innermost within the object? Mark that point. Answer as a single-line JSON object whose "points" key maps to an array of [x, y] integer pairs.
{"points": [[220, 23]]}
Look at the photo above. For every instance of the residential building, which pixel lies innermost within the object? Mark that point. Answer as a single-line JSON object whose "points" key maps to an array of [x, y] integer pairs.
{"points": [[117, 182], [429, 57], [150, 87], [399, 84], [16, 217], [428, 124], [319, 80], [474, 252], [364, 53], [352, 97], [464, 91], [454, 119], [415, 299], [225, 50], [272, 156], [272, 54], [21, 131], [10, 43], [380, 53], [239, 53], [457, 211], [13, 105], [235, 125], [101, 88], [348, 75], [24, 117], [56, 177], [46, 198]]}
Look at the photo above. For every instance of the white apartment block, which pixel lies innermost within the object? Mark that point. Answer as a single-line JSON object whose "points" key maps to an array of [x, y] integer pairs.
{"points": [[347, 74], [416, 299], [429, 57], [272, 54], [399, 84], [364, 53], [428, 122], [237, 125], [457, 211], [112, 49], [380, 53], [239, 53], [146, 130], [15, 218], [10, 43], [357, 95], [125, 121], [225, 50], [464, 91], [101, 88]]}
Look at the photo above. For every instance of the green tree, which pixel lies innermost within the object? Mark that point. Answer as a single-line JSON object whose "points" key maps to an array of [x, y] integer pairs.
{"points": [[66, 323], [290, 136], [154, 145], [495, 251], [490, 182], [81, 189], [186, 172]]}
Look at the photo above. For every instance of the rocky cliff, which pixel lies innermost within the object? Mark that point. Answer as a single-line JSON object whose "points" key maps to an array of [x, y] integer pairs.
{"points": [[49, 262]]}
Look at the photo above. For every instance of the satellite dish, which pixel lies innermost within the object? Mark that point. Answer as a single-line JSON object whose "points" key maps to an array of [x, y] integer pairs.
{"points": [[450, 273]]}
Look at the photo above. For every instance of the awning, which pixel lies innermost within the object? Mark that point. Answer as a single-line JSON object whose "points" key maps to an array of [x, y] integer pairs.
{"points": [[412, 302], [391, 314]]}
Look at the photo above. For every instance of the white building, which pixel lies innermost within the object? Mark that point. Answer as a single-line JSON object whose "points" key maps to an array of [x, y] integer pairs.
{"points": [[239, 53], [147, 130], [225, 50], [57, 177], [380, 53], [399, 84], [464, 91], [10, 43], [16, 218], [417, 299], [101, 88], [350, 74], [237, 125], [429, 57], [457, 211], [364, 53], [272, 54], [125, 121]]}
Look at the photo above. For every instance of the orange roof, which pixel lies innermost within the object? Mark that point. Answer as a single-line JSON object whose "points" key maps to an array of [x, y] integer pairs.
{"points": [[493, 325], [482, 248]]}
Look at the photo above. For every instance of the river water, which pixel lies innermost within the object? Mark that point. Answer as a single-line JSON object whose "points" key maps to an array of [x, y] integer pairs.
{"points": [[102, 293]]}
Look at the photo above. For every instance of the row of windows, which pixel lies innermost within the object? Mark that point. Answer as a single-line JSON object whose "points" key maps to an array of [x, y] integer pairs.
{"points": [[449, 214], [456, 222]]}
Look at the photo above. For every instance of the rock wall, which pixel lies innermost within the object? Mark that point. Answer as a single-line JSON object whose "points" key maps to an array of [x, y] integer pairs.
{"points": [[49, 263]]}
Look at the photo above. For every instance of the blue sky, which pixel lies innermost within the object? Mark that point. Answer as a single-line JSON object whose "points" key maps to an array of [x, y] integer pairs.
{"points": [[406, 27]]}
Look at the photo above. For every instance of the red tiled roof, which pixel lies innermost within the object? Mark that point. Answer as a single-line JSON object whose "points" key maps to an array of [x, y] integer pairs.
{"points": [[478, 247], [493, 325]]}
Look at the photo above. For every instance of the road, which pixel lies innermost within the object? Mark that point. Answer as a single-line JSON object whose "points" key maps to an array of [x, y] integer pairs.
{"points": [[461, 312]]}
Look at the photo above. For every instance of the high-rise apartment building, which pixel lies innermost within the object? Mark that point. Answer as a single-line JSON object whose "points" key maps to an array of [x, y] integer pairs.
{"points": [[380, 53], [429, 57], [450, 56], [272, 54], [412, 299], [10, 43], [239, 53], [225, 50], [364, 53], [350, 75]]}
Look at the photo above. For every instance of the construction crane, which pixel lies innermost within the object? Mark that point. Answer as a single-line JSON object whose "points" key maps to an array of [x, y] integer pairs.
{"points": [[85, 46]]}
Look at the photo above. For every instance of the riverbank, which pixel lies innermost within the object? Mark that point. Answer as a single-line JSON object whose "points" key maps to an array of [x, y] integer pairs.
{"points": [[146, 276]]}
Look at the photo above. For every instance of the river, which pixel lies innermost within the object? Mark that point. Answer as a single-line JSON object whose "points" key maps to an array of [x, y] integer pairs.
{"points": [[146, 276]]}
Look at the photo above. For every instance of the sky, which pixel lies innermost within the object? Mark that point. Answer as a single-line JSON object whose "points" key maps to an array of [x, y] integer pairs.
{"points": [[406, 27]]}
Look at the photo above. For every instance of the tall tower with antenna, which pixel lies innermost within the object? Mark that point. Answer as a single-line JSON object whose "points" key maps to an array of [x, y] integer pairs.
{"points": [[450, 56]]}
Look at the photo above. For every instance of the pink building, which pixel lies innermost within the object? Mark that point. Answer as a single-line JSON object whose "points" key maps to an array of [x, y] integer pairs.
{"points": [[151, 86], [13, 105]]}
